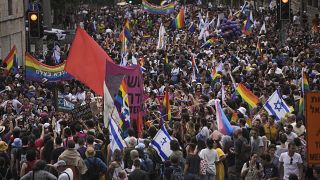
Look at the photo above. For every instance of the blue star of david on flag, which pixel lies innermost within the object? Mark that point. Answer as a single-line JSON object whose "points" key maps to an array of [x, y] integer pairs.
{"points": [[161, 143], [276, 106]]}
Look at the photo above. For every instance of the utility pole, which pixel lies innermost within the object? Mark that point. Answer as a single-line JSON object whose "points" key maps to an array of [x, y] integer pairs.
{"points": [[284, 18]]}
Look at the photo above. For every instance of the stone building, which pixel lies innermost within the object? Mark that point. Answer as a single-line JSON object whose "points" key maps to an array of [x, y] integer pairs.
{"points": [[12, 28]]}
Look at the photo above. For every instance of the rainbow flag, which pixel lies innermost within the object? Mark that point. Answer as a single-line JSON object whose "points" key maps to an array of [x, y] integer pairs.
{"points": [[161, 10], [258, 48], [214, 74], [305, 85], [247, 96], [11, 60], [305, 88], [209, 43], [166, 111], [234, 117], [179, 21], [126, 34], [122, 104], [301, 106], [247, 27], [36, 71], [223, 123]]}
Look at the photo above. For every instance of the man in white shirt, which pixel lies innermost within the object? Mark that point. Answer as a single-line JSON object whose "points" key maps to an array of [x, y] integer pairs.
{"points": [[290, 163], [65, 173], [299, 128], [210, 155], [290, 135]]}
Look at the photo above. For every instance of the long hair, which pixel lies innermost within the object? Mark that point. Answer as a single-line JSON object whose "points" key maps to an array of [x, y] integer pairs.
{"points": [[47, 150]]}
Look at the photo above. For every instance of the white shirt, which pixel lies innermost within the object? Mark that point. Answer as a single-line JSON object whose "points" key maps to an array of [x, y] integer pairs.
{"points": [[288, 167], [65, 173], [211, 156], [299, 131], [291, 136]]}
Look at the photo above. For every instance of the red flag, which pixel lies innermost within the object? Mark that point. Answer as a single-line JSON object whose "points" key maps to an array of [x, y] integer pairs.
{"points": [[87, 61]]}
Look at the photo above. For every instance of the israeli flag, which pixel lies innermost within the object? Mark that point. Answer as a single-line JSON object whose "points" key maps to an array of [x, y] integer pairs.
{"points": [[161, 143], [276, 106], [116, 141]]}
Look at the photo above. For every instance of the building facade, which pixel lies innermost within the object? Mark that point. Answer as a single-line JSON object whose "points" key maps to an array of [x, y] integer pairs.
{"points": [[12, 28]]}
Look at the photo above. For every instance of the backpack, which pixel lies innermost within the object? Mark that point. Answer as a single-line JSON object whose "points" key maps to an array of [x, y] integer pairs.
{"points": [[93, 169], [203, 167], [177, 173]]}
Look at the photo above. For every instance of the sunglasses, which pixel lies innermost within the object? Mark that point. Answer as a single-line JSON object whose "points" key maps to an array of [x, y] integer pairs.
{"points": [[291, 160]]}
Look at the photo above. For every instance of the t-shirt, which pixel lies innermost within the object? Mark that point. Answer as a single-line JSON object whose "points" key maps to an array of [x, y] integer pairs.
{"points": [[270, 171], [291, 137], [256, 144], [193, 160], [290, 164], [56, 153], [211, 156], [298, 130], [65, 173]]}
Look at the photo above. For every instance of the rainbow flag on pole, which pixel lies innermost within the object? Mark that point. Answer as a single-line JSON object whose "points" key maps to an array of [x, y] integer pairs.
{"points": [[305, 88], [214, 74], [179, 21], [36, 71], [126, 32], [247, 96], [305, 82], [122, 104], [11, 60], [166, 110], [247, 27], [161, 10]]}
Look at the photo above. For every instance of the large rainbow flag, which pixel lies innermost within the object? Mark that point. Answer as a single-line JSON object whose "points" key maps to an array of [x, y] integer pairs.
{"points": [[36, 71], [166, 110], [126, 34], [304, 88], [223, 123], [11, 60], [247, 30], [247, 96], [154, 9], [122, 104], [179, 21]]}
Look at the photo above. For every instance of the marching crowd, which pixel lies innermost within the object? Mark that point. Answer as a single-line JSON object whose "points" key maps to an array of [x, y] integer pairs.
{"points": [[40, 142]]}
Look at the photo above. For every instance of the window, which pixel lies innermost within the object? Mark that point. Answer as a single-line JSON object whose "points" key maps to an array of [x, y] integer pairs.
{"points": [[10, 7], [315, 3], [310, 2]]}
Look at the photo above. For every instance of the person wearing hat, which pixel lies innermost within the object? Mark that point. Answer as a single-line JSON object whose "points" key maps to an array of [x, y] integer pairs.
{"points": [[3, 151], [73, 160], [65, 173], [95, 165]]}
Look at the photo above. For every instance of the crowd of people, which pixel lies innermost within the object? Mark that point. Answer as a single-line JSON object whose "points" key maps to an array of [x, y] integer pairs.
{"points": [[40, 142]]}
